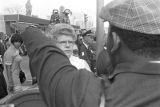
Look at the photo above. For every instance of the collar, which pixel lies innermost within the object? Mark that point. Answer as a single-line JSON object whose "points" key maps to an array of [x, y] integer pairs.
{"points": [[86, 45], [148, 67]]}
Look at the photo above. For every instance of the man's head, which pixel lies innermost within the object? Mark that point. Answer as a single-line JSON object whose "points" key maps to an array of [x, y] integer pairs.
{"points": [[88, 37], [64, 35], [16, 40], [137, 25], [147, 45]]}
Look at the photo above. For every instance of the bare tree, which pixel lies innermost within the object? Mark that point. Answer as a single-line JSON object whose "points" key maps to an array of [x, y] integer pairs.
{"points": [[28, 8], [14, 10]]}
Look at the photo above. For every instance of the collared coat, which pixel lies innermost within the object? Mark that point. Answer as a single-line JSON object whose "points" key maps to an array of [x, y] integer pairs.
{"points": [[135, 83]]}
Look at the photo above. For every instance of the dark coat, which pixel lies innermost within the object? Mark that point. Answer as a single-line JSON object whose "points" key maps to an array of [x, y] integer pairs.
{"points": [[60, 84], [3, 85], [2, 49], [135, 84], [102, 63], [88, 54], [84, 53]]}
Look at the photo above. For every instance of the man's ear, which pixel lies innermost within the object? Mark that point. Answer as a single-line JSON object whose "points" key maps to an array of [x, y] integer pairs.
{"points": [[116, 42]]}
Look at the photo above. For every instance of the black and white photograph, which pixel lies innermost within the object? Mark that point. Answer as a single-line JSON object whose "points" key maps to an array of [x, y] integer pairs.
{"points": [[79, 53]]}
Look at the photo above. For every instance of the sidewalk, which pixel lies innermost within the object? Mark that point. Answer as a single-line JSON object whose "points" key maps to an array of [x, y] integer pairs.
{"points": [[26, 70]]}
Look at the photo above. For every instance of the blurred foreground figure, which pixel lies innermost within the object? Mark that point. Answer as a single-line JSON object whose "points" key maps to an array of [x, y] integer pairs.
{"points": [[60, 83], [133, 53]]}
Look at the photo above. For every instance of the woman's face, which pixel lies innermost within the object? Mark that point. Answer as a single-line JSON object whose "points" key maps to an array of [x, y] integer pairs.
{"points": [[65, 43]]}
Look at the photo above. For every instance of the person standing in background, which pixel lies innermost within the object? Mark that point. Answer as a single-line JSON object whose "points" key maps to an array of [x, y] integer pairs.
{"points": [[3, 85], [12, 61], [87, 50]]}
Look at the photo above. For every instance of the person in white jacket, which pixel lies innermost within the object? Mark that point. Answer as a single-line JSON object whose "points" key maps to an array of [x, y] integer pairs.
{"points": [[76, 61]]}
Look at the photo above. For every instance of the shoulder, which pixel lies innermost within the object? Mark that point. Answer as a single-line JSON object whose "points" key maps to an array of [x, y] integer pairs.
{"points": [[77, 60], [81, 61], [73, 58], [9, 52]]}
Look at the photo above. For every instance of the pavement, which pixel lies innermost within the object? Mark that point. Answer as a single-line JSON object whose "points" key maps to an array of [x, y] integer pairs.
{"points": [[26, 70], [27, 85]]}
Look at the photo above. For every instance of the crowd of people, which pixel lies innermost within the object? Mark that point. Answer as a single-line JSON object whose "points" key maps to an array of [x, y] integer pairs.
{"points": [[75, 46], [11, 74], [127, 71], [80, 48]]}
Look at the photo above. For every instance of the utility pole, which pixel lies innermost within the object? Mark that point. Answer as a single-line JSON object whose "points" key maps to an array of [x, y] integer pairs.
{"points": [[2, 24], [85, 20], [99, 28]]}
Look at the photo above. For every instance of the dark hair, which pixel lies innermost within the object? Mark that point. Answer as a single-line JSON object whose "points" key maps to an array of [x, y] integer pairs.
{"points": [[16, 38], [144, 44]]}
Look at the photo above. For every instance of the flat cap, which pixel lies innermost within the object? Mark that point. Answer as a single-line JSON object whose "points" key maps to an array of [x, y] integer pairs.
{"points": [[87, 33], [136, 15]]}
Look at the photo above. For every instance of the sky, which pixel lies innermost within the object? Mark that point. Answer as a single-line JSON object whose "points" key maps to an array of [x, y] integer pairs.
{"points": [[43, 8]]}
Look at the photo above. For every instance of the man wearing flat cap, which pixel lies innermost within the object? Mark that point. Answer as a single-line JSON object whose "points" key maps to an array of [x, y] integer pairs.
{"points": [[133, 51]]}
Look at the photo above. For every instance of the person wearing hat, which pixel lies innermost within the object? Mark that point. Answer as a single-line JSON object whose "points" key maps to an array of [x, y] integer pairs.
{"points": [[87, 49], [133, 53]]}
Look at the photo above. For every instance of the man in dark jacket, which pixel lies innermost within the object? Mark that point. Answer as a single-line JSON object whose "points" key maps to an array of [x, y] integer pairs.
{"points": [[60, 83], [133, 53], [87, 50]]}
